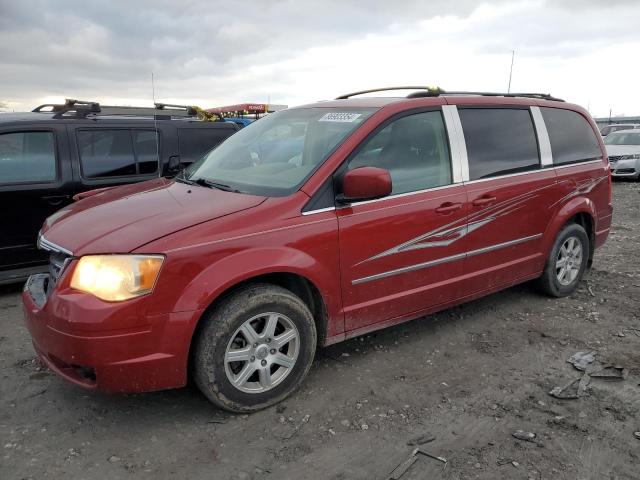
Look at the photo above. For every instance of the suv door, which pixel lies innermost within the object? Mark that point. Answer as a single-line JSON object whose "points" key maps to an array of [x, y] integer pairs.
{"points": [[403, 253], [35, 181], [199, 138], [112, 155], [510, 194]]}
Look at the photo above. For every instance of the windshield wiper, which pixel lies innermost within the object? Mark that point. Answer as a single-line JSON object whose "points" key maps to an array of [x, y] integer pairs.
{"points": [[211, 184]]}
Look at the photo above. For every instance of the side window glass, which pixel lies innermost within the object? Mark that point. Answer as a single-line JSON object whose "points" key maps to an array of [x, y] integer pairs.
{"points": [[27, 157], [146, 144], [106, 153], [195, 142], [414, 149], [499, 141], [572, 138]]}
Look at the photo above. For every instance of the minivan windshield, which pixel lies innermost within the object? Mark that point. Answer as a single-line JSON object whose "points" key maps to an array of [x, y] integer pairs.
{"points": [[623, 138], [276, 154]]}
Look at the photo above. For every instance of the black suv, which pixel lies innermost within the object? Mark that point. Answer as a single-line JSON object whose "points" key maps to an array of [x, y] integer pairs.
{"points": [[57, 151]]}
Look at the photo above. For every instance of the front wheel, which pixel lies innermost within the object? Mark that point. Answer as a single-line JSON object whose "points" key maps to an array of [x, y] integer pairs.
{"points": [[567, 262], [254, 348]]}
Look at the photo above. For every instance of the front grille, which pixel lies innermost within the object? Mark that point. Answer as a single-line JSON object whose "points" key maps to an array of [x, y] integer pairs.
{"points": [[57, 263], [614, 158], [59, 258]]}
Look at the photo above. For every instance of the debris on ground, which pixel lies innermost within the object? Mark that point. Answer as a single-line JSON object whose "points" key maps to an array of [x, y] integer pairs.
{"points": [[572, 390], [525, 436], [582, 360], [586, 362], [402, 468], [611, 372], [421, 439], [637, 435]]}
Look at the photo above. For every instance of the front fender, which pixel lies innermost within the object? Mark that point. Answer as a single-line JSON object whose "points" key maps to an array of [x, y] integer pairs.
{"points": [[205, 287]]}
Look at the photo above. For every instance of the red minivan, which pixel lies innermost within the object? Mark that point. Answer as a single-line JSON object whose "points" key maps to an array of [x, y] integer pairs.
{"points": [[311, 226]]}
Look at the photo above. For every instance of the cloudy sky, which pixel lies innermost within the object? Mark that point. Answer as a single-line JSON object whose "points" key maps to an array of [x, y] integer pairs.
{"points": [[213, 53]]}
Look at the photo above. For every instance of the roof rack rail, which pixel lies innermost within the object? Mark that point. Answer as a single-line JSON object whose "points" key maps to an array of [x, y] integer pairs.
{"points": [[437, 91], [81, 109], [429, 91]]}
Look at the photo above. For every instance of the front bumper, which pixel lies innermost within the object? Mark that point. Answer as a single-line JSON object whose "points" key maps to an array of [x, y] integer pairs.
{"points": [[113, 347], [625, 168]]}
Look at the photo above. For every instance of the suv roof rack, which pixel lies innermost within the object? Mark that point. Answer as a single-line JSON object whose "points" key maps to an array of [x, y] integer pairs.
{"points": [[81, 109], [437, 91]]}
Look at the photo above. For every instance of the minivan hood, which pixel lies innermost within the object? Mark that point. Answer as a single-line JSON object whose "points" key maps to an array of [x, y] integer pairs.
{"points": [[121, 219], [615, 150]]}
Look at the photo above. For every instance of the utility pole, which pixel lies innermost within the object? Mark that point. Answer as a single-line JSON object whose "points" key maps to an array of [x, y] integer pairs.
{"points": [[513, 54]]}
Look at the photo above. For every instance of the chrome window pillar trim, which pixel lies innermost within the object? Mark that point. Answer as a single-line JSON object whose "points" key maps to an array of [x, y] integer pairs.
{"points": [[488, 179], [440, 261], [319, 210], [577, 164], [546, 156], [459, 159]]}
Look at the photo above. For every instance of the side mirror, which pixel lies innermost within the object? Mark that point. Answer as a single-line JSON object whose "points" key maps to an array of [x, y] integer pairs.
{"points": [[174, 165], [365, 183]]}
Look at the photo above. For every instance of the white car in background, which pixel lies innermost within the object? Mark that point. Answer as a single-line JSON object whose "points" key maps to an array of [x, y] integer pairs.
{"points": [[623, 148], [614, 127]]}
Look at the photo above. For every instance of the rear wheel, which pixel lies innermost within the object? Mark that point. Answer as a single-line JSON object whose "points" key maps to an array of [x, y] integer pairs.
{"points": [[254, 348], [567, 262]]}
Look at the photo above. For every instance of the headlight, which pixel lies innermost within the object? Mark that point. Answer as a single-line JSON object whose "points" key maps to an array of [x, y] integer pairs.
{"points": [[116, 277], [635, 156]]}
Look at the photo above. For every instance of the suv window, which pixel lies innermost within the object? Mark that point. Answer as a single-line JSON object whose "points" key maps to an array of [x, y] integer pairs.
{"points": [[195, 142], [146, 145], [111, 153], [572, 138], [27, 157], [499, 141], [414, 149]]}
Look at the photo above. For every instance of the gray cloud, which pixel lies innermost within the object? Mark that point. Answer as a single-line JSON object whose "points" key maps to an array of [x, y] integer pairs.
{"points": [[205, 49]]}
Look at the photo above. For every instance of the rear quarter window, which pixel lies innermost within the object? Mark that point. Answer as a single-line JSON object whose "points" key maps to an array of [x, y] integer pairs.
{"points": [[571, 136]]}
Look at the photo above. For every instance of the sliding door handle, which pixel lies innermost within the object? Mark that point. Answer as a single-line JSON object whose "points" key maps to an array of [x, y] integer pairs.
{"points": [[482, 201], [448, 207]]}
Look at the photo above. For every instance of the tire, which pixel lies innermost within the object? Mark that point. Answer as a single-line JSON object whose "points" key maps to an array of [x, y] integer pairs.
{"points": [[553, 282], [250, 314]]}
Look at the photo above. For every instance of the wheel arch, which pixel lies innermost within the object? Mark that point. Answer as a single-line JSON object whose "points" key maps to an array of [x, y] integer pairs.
{"points": [[286, 267], [581, 211]]}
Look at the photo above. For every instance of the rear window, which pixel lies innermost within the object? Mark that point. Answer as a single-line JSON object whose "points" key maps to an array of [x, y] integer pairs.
{"points": [[27, 157], [195, 142], [571, 136], [499, 141], [108, 153]]}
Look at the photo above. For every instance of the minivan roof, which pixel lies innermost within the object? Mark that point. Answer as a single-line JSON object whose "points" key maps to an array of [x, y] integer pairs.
{"points": [[457, 99], [356, 99]]}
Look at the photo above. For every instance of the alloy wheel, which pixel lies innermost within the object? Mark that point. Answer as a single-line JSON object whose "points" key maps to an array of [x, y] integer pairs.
{"points": [[569, 261], [262, 352]]}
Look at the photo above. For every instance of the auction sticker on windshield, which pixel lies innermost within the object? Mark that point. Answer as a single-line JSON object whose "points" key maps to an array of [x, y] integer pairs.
{"points": [[339, 117]]}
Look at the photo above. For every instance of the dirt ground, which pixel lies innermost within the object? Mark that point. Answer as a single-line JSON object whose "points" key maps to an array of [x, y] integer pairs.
{"points": [[470, 377]]}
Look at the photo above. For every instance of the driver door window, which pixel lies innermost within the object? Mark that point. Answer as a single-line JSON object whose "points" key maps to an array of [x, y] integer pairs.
{"points": [[414, 149]]}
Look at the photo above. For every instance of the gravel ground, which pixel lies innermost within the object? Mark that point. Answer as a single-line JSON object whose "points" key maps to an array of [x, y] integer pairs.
{"points": [[470, 377]]}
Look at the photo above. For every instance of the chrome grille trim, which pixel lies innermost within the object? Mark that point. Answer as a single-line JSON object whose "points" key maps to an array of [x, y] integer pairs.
{"points": [[45, 244]]}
